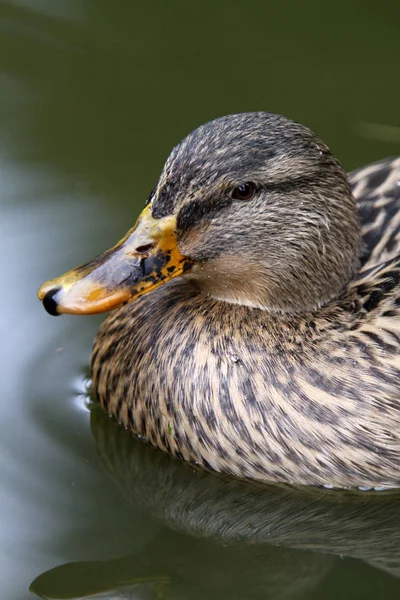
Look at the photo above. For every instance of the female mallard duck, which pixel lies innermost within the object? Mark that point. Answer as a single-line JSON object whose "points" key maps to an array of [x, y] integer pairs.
{"points": [[276, 354]]}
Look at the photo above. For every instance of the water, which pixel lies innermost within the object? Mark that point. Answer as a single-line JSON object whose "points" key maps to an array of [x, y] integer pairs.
{"points": [[93, 96]]}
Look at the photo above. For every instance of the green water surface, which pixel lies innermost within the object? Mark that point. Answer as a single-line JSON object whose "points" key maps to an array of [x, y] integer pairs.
{"points": [[93, 95]]}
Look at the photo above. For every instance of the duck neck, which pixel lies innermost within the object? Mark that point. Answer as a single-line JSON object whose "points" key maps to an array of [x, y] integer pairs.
{"points": [[297, 293]]}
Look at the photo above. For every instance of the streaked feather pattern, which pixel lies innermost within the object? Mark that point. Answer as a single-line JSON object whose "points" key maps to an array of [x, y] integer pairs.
{"points": [[310, 399]]}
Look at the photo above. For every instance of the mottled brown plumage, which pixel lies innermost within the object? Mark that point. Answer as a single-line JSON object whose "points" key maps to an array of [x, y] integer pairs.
{"points": [[277, 356]]}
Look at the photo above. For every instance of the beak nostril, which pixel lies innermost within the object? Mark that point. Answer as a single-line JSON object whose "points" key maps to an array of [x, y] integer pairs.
{"points": [[50, 303], [145, 248]]}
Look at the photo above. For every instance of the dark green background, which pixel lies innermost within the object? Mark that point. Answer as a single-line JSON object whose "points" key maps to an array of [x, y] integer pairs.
{"points": [[93, 95]]}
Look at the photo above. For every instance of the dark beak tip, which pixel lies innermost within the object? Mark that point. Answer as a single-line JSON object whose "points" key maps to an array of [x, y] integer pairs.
{"points": [[50, 302]]}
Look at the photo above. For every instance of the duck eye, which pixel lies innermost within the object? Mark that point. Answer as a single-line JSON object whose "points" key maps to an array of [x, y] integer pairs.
{"points": [[245, 191]]}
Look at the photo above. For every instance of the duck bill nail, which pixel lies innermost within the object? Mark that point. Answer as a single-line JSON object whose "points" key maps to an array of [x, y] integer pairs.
{"points": [[147, 257]]}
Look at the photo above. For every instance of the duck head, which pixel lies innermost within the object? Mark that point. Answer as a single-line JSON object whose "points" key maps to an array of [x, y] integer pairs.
{"points": [[253, 208]]}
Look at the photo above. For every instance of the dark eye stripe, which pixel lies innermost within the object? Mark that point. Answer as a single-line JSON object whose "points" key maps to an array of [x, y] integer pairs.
{"points": [[195, 212]]}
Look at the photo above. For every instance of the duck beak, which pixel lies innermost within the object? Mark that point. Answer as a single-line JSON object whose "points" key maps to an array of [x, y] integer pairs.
{"points": [[144, 259]]}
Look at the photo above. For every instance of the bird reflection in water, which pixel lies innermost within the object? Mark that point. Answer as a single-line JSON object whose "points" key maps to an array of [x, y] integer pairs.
{"points": [[225, 537]]}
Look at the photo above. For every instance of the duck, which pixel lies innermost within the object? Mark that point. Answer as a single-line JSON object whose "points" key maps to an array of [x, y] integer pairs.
{"points": [[255, 324]]}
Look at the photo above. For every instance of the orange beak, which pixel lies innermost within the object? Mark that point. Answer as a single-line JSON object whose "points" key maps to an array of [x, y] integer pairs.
{"points": [[147, 257]]}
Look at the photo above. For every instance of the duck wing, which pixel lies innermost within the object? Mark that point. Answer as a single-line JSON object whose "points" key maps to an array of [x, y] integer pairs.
{"points": [[377, 192]]}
